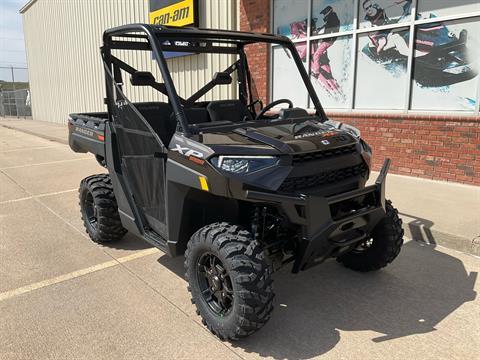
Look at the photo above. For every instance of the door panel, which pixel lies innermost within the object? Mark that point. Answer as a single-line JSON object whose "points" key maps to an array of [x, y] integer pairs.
{"points": [[142, 156]]}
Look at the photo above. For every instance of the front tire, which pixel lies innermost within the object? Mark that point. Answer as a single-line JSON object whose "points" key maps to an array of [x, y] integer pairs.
{"points": [[99, 209], [229, 280], [383, 246]]}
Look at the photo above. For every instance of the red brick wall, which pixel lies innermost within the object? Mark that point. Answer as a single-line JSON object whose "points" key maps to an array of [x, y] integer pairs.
{"points": [[255, 16], [434, 147]]}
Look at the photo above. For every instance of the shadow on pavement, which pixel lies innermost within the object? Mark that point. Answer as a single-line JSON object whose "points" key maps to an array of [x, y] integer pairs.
{"points": [[128, 242], [421, 229], [411, 296]]}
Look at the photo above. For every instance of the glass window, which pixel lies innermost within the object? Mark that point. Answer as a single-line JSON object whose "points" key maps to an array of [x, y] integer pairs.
{"points": [[383, 12], [446, 63], [381, 76], [287, 82], [445, 59], [435, 8], [330, 64], [290, 18], [331, 16]]}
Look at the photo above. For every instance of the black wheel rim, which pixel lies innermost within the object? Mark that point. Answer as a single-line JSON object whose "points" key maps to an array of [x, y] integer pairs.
{"points": [[364, 246], [90, 210], [215, 284]]}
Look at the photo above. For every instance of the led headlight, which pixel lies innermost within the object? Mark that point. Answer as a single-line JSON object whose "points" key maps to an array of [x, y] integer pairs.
{"points": [[243, 164]]}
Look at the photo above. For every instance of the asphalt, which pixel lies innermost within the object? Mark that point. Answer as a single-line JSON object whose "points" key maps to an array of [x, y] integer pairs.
{"points": [[65, 297]]}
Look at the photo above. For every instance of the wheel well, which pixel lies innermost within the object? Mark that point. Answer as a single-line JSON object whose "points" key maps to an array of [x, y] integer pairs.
{"points": [[201, 208]]}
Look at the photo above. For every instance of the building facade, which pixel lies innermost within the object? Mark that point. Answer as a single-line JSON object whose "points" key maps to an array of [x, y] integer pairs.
{"points": [[63, 39], [405, 72]]}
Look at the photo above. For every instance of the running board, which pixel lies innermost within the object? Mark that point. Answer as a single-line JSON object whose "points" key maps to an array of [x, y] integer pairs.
{"points": [[156, 240]]}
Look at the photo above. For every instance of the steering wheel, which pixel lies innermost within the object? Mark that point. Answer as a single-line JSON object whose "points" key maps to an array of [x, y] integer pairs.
{"points": [[273, 104]]}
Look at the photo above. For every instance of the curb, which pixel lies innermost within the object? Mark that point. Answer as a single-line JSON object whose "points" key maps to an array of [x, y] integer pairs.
{"points": [[424, 234]]}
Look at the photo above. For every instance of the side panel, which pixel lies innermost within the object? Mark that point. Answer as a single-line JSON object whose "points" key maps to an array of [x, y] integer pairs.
{"points": [[190, 207], [126, 207]]}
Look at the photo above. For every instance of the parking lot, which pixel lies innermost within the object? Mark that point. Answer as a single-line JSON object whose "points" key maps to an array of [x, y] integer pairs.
{"points": [[65, 297]]}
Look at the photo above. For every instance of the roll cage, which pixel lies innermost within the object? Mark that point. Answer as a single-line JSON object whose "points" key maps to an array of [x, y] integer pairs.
{"points": [[159, 38]]}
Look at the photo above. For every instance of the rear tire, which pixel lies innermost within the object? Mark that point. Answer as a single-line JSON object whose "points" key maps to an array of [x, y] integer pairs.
{"points": [[240, 301], [383, 247], [99, 209]]}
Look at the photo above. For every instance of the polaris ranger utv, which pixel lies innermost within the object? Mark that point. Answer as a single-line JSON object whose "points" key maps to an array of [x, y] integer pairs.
{"points": [[238, 189]]}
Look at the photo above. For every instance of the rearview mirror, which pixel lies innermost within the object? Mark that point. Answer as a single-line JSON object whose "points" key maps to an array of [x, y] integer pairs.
{"points": [[142, 78]]}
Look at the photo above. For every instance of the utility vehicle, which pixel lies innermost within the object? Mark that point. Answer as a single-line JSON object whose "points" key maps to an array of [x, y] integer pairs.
{"points": [[240, 190]]}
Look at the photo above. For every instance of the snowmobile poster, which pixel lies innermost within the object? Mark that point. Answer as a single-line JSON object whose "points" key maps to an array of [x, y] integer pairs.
{"points": [[445, 64]]}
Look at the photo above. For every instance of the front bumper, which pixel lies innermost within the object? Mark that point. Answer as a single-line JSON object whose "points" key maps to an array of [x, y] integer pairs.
{"points": [[331, 225]]}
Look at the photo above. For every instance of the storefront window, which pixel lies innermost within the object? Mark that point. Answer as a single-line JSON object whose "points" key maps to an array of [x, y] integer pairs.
{"points": [[330, 64], [446, 66], [290, 18], [382, 69], [437, 69], [383, 12], [287, 82], [435, 8], [332, 16]]}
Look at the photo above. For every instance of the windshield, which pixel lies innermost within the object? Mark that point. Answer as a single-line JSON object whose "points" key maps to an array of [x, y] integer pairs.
{"points": [[197, 76], [209, 80]]}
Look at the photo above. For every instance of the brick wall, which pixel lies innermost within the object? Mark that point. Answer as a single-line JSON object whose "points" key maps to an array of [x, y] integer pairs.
{"points": [[255, 16], [434, 147]]}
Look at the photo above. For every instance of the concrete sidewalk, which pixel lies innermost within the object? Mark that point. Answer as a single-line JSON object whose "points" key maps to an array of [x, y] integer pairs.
{"points": [[43, 129], [434, 212]]}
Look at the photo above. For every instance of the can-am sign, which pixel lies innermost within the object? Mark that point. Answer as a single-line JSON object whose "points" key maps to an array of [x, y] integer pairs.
{"points": [[174, 12]]}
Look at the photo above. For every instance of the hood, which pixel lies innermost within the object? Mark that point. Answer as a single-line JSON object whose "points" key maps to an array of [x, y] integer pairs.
{"points": [[291, 137]]}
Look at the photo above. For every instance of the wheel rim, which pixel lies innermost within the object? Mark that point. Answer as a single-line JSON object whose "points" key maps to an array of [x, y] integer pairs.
{"points": [[364, 246], [90, 210], [215, 284]]}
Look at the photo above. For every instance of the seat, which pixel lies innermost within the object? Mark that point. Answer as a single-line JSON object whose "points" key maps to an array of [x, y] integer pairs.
{"points": [[158, 115], [196, 115], [228, 110]]}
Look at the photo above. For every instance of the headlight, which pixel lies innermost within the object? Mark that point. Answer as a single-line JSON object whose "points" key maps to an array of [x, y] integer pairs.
{"points": [[243, 164]]}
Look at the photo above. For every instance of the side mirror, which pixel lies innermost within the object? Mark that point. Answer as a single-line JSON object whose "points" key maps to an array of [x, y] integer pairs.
{"points": [[142, 78], [222, 78]]}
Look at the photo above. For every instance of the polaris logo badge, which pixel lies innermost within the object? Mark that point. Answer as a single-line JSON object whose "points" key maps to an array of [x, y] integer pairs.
{"points": [[325, 142]]}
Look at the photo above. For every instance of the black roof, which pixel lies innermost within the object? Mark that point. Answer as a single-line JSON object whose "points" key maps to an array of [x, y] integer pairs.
{"points": [[190, 33]]}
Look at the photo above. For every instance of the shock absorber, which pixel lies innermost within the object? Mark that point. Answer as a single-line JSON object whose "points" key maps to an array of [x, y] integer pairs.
{"points": [[258, 222]]}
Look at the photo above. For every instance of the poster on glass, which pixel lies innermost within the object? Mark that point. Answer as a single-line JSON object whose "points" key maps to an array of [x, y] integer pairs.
{"points": [[382, 69], [383, 12], [330, 64], [445, 66]]}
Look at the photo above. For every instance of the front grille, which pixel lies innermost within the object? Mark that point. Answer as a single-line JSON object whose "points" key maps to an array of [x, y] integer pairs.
{"points": [[294, 184], [324, 154]]}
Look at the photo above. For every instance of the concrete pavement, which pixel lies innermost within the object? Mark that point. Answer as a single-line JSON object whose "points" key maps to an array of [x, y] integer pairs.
{"points": [[62, 296]]}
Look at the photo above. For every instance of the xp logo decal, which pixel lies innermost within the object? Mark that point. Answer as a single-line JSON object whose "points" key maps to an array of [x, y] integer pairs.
{"points": [[187, 151]]}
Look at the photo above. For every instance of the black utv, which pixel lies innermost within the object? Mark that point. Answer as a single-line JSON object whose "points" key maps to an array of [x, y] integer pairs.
{"points": [[239, 188]]}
